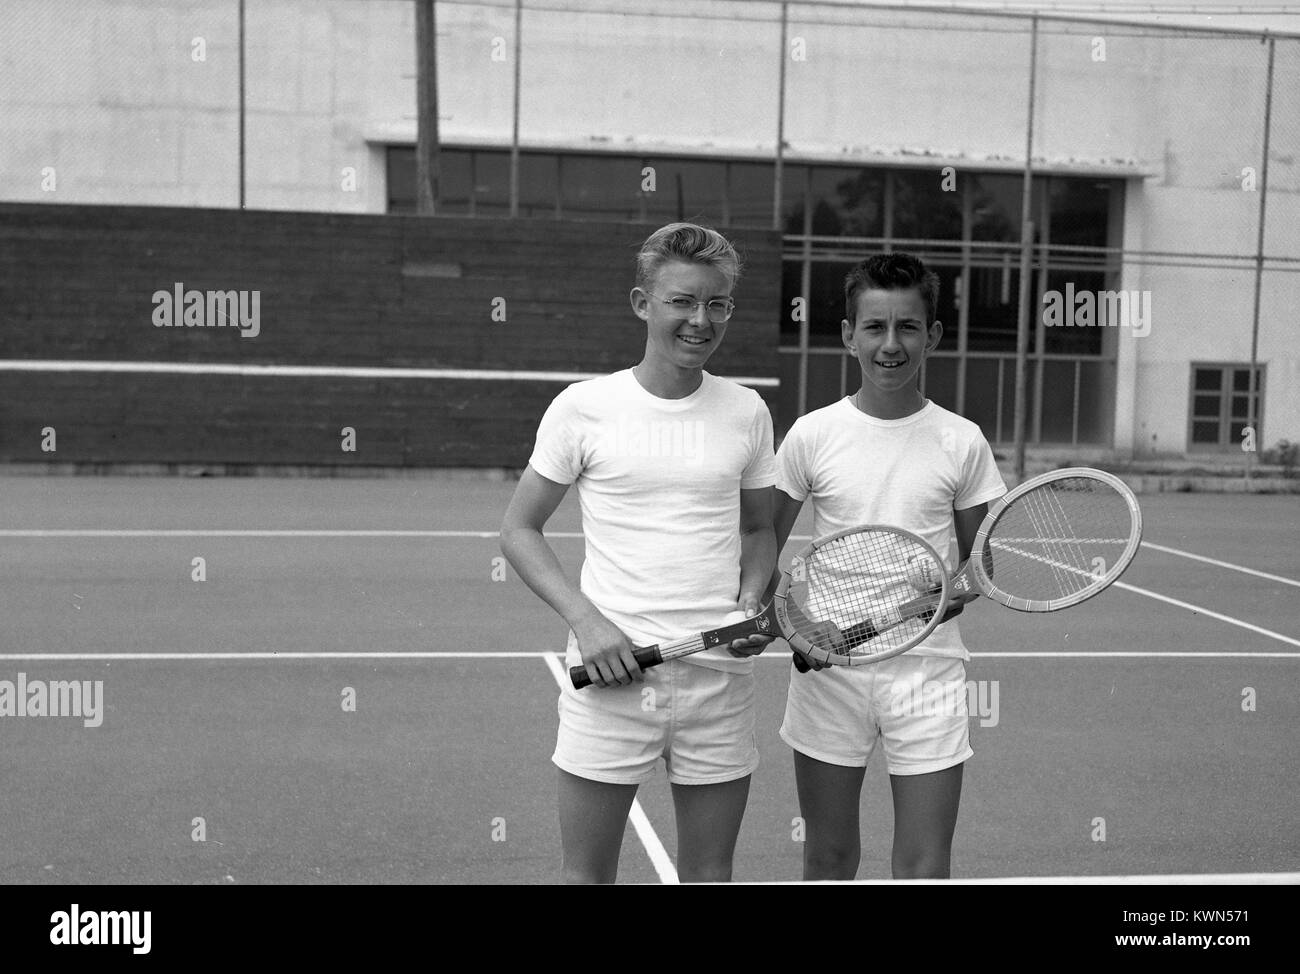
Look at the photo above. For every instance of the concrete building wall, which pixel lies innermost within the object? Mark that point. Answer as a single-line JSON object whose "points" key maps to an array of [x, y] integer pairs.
{"points": [[135, 102]]}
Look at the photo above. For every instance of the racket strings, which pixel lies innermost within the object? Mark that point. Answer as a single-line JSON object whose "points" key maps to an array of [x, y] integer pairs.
{"points": [[1061, 540], [854, 586], [1071, 546], [1059, 551], [1048, 516]]}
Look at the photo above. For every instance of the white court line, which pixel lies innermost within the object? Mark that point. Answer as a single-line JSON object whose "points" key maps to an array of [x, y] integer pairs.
{"points": [[470, 654], [253, 533], [377, 533], [1280, 654], [1213, 615], [1221, 564], [1204, 879], [1199, 610], [645, 832], [1162, 598], [1172, 551], [221, 657], [380, 533]]}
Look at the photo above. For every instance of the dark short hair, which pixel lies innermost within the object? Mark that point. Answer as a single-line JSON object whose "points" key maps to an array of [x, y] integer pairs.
{"points": [[892, 272]]}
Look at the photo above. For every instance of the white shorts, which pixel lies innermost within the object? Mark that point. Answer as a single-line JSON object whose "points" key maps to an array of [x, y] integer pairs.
{"points": [[916, 705], [700, 721]]}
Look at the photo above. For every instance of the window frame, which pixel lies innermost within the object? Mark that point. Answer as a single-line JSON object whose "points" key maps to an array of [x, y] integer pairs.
{"points": [[1226, 394]]}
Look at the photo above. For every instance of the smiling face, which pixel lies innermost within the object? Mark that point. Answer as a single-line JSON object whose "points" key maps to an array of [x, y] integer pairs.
{"points": [[674, 342], [890, 340]]}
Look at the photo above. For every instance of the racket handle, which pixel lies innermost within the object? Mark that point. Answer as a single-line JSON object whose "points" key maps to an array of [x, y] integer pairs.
{"points": [[645, 656], [801, 664]]}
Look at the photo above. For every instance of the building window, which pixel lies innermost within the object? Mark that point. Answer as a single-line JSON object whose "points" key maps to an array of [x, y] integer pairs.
{"points": [[921, 209], [749, 194], [687, 189], [539, 185], [994, 292], [491, 194], [948, 311], [1220, 406], [1080, 211], [847, 202], [835, 215], [995, 207], [401, 179], [455, 181], [794, 198], [601, 188], [1081, 324]]}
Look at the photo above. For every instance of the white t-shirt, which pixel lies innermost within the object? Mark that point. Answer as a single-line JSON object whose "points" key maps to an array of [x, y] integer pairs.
{"points": [[908, 473], [659, 481]]}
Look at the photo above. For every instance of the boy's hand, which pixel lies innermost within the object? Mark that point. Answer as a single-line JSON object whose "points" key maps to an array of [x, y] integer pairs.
{"points": [[606, 652], [751, 645], [825, 633], [956, 602], [804, 663]]}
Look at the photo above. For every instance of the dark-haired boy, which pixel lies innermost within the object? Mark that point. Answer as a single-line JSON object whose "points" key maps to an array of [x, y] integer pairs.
{"points": [[885, 455]]}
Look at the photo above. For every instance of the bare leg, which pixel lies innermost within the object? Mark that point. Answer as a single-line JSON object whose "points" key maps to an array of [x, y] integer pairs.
{"points": [[708, 822], [593, 817], [925, 817], [828, 800]]}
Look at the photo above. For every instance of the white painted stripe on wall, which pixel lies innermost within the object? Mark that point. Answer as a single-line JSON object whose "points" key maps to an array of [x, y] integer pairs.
{"points": [[325, 371]]}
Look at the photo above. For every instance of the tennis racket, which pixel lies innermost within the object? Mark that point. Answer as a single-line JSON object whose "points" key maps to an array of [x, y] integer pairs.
{"points": [[1053, 542], [841, 602]]}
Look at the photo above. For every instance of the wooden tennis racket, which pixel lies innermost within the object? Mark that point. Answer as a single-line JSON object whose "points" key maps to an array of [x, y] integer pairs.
{"points": [[846, 599], [1055, 541]]}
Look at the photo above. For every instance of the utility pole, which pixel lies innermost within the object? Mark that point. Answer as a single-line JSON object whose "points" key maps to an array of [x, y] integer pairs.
{"points": [[426, 108]]}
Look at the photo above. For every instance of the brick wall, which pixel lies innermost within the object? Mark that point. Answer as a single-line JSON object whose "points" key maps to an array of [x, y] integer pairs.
{"points": [[77, 285]]}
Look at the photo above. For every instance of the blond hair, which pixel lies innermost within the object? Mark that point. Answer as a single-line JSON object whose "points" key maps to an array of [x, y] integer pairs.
{"points": [[686, 242]]}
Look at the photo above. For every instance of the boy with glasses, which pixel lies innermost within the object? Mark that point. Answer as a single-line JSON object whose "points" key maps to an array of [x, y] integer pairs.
{"points": [[674, 469]]}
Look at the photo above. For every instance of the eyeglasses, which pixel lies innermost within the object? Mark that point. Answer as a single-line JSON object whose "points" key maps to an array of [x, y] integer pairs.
{"points": [[718, 310]]}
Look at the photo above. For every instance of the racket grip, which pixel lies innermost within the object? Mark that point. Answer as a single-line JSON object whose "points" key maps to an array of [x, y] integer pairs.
{"points": [[645, 656], [801, 664]]}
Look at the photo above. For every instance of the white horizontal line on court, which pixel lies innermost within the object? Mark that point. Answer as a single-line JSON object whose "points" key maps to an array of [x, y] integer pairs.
{"points": [[1221, 564], [377, 533], [1171, 551], [1123, 654], [325, 371], [1203, 879], [541, 654], [139, 657], [250, 533]]}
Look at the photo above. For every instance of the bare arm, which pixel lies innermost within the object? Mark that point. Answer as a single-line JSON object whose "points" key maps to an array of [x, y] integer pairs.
{"points": [[757, 560], [787, 512], [605, 650], [758, 547], [967, 523]]}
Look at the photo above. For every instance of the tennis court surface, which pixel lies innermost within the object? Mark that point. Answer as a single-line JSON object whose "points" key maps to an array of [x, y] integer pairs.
{"points": [[360, 691]]}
